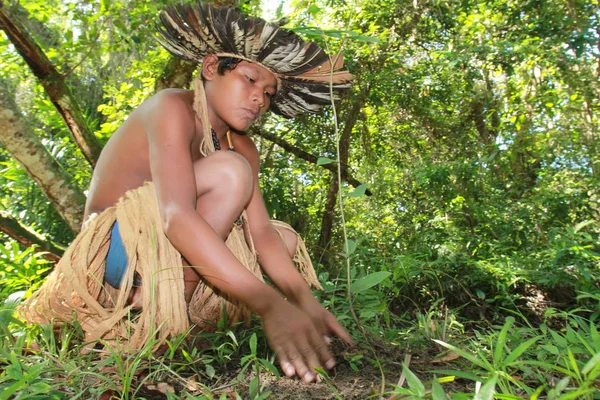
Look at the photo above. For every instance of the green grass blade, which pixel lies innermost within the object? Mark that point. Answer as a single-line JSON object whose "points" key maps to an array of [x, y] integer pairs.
{"points": [[413, 381], [501, 342], [463, 354], [550, 367], [522, 348], [437, 392], [573, 363], [487, 390], [461, 374], [591, 364]]}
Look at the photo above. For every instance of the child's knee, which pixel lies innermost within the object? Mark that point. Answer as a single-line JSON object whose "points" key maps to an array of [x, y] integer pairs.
{"points": [[228, 171]]}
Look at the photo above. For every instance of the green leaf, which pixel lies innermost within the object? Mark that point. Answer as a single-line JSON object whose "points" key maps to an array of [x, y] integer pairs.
{"points": [[460, 374], [313, 9], [253, 388], [520, 350], [324, 161], [359, 191], [350, 246], [437, 392], [413, 381], [367, 282], [253, 341], [187, 356], [210, 371], [232, 336], [593, 362], [487, 390], [463, 354], [573, 363], [501, 342], [269, 366]]}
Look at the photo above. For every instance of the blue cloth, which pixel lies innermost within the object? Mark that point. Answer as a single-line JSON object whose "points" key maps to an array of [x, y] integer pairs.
{"points": [[116, 259]]}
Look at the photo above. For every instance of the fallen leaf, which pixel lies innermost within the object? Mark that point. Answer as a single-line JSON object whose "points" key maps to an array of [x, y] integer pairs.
{"points": [[451, 356], [165, 388], [192, 383]]}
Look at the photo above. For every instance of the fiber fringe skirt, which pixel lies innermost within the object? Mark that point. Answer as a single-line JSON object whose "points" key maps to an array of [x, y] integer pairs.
{"points": [[75, 290]]}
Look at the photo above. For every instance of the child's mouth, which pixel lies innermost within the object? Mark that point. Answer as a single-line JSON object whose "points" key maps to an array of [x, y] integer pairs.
{"points": [[251, 113]]}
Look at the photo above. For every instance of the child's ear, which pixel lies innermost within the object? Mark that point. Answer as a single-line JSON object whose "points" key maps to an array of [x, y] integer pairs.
{"points": [[210, 66]]}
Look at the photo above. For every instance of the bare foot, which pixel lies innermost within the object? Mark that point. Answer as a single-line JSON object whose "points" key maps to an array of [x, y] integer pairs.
{"points": [[135, 298]]}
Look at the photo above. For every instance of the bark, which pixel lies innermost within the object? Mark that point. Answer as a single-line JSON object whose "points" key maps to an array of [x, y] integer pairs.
{"points": [[26, 147], [54, 84], [176, 74], [28, 238], [330, 204], [311, 158]]}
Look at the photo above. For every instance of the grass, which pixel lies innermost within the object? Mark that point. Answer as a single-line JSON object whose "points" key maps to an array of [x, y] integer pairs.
{"points": [[557, 359]]}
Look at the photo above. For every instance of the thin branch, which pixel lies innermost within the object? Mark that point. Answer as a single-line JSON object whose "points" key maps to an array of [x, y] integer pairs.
{"points": [[28, 238], [346, 176]]}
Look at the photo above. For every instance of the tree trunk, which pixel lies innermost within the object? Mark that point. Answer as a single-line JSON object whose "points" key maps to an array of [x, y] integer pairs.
{"points": [[28, 238], [26, 147], [55, 86]]}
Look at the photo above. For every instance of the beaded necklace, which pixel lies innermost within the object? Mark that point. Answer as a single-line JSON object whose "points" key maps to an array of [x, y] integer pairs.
{"points": [[216, 141]]}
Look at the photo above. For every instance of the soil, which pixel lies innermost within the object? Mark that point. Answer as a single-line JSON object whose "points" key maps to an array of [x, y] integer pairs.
{"points": [[344, 382]]}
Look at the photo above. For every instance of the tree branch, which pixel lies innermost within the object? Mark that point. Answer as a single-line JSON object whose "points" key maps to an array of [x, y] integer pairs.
{"points": [[26, 147], [28, 238], [54, 84], [346, 176]]}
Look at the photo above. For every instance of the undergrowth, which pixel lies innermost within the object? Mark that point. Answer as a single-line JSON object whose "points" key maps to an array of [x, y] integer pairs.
{"points": [[509, 357]]}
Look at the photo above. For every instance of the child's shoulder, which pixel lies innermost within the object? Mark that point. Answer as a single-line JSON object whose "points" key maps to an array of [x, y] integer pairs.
{"points": [[168, 107], [171, 99]]}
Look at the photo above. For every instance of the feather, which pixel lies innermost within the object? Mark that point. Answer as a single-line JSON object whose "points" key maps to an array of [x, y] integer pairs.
{"points": [[305, 72]]}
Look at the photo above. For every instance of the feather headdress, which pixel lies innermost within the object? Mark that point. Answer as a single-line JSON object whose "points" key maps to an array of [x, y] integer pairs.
{"points": [[303, 70]]}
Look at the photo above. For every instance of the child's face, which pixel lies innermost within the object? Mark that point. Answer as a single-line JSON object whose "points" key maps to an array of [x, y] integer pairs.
{"points": [[239, 97]]}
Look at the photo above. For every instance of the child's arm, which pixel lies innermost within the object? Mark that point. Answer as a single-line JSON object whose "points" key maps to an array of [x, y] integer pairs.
{"points": [[275, 259], [170, 127]]}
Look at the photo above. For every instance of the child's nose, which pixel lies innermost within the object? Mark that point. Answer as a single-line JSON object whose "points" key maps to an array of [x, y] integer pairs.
{"points": [[259, 97]]}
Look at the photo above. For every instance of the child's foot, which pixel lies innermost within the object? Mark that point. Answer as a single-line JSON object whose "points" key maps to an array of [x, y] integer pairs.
{"points": [[135, 298]]}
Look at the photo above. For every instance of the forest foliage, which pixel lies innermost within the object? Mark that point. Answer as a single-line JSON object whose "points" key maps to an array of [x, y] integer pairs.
{"points": [[472, 125]]}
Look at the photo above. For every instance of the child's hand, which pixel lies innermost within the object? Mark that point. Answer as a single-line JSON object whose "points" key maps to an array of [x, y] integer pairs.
{"points": [[299, 345], [324, 321]]}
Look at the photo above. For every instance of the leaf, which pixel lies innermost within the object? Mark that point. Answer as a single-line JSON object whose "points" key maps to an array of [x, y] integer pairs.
{"points": [[522, 348], [462, 353], [313, 9], [451, 356], [232, 336], [437, 392], [367, 282], [501, 342], [591, 364], [324, 161], [453, 374], [487, 390], [269, 366], [351, 246], [253, 341], [359, 191], [210, 370], [413, 381]]}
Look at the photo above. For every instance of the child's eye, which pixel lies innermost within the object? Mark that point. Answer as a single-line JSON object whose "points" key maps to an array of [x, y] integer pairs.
{"points": [[269, 95], [250, 79]]}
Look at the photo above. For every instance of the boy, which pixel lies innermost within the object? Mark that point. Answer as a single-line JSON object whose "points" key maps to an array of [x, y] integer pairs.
{"points": [[162, 196]]}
